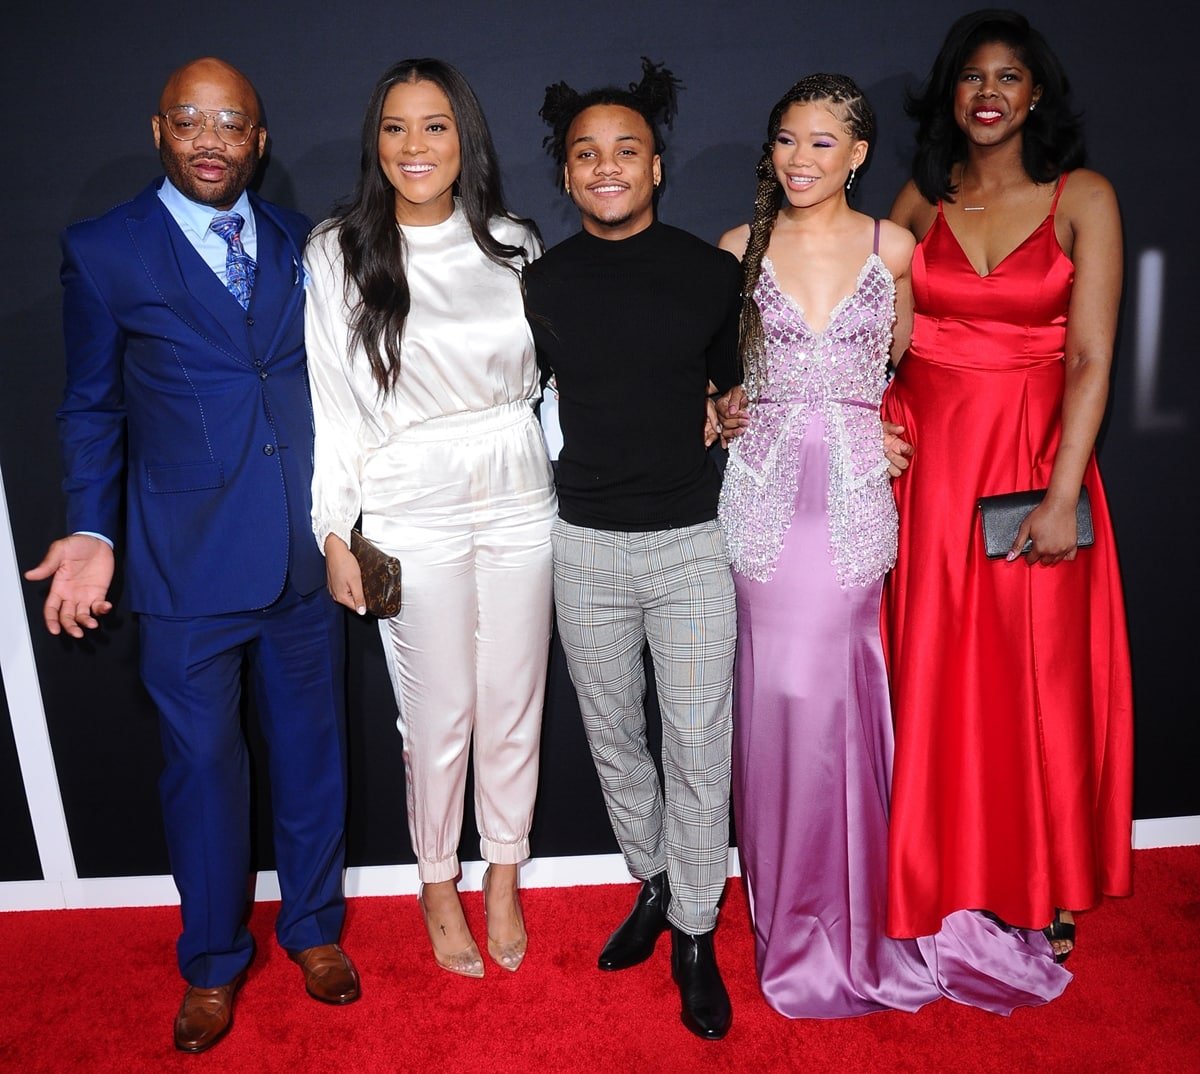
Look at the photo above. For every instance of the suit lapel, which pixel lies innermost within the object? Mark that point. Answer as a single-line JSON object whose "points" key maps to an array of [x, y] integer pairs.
{"points": [[194, 293], [186, 285], [207, 290], [279, 285]]}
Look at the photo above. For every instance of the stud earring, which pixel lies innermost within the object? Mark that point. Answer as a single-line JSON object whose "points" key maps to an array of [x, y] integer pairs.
{"points": [[1033, 106]]}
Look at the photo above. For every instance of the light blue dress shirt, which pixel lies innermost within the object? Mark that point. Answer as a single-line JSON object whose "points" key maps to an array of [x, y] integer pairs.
{"points": [[194, 220]]}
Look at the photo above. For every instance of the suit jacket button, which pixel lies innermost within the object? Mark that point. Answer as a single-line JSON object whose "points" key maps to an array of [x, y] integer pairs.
{"points": [[268, 449], [250, 322], [258, 363], [262, 375]]}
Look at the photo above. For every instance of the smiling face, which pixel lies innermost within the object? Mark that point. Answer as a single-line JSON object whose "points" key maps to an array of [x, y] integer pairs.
{"points": [[814, 152], [419, 151], [206, 169], [612, 170], [993, 95]]}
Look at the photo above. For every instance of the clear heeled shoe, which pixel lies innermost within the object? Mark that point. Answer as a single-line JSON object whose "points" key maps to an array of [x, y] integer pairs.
{"points": [[507, 954], [467, 962]]}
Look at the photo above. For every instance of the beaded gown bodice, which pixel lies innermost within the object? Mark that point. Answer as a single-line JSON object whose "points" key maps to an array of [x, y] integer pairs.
{"points": [[838, 374]]}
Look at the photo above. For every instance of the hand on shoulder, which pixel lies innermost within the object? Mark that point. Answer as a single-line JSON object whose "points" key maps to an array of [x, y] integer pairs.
{"points": [[533, 246]]}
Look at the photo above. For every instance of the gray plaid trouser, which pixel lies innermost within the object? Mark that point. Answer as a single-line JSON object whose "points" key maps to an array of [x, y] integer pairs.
{"points": [[613, 592]]}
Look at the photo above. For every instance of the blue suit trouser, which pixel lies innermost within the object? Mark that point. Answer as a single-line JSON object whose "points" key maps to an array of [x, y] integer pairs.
{"points": [[293, 655]]}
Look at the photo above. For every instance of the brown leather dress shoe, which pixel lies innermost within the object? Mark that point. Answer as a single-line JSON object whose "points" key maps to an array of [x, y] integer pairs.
{"points": [[329, 975], [205, 1015]]}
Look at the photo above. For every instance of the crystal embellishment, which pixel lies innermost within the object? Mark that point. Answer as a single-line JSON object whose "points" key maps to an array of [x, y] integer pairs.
{"points": [[839, 373]]}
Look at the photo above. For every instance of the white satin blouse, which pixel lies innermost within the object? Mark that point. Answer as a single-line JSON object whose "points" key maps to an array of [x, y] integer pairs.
{"points": [[467, 348]]}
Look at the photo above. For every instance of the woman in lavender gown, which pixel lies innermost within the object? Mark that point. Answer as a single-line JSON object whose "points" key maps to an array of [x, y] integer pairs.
{"points": [[811, 526]]}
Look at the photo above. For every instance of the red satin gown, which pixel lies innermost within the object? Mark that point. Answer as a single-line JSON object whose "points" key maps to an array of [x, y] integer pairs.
{"points": [[1011, 685]]}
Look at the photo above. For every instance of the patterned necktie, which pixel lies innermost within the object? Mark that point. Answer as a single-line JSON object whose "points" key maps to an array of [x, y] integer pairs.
{"points": [[239, 265]]}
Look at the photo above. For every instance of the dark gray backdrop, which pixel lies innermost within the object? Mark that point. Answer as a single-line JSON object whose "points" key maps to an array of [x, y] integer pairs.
{"points": [[84, 79]]}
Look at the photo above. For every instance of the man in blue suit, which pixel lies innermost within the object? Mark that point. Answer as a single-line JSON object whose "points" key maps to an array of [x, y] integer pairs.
{"points": [[187, 391]]}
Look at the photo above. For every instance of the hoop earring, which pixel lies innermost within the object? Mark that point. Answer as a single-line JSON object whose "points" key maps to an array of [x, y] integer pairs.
{"points": [[850, 181]]}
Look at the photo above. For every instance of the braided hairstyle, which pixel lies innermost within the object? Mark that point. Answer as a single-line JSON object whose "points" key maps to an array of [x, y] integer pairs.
{"points": [[653, 98], [855, 114]]}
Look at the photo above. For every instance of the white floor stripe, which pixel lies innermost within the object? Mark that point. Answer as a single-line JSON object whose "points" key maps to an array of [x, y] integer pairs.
{"points": [[1166, 832], [375, 880], [29, 716], [113, 891]]}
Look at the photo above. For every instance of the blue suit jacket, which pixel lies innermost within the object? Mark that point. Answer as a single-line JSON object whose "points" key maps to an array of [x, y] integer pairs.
{"points": [[198, 408]]}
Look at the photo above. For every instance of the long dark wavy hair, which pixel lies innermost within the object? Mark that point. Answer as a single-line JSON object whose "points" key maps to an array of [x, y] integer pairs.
{"points": [[653, 98], [854, 111], [372, 246], [1052, 138]]}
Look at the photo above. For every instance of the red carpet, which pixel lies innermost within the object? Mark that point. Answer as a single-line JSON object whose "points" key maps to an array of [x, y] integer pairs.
{"points": [[95, 991]]}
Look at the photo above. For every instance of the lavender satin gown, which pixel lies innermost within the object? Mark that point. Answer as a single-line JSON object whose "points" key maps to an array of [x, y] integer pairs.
{"points": [[811, 527]]}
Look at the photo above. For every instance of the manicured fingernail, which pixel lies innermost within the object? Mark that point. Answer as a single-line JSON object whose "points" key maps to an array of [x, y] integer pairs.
{"points": [[361, 610], [1010, 557]]}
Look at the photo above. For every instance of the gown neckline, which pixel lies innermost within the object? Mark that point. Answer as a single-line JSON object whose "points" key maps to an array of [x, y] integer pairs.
{"points": [[1047, 219], [999, 264], [838, 306]]}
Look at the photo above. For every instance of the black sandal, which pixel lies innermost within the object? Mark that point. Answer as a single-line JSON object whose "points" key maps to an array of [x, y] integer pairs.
{"points": [[1058, 929]]}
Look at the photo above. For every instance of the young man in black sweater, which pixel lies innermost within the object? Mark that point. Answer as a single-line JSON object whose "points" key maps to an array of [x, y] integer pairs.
{"points": [[637, 321]]}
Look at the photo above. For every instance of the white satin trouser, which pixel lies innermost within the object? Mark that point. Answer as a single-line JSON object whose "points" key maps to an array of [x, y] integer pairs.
{"points": [[466, 502]]}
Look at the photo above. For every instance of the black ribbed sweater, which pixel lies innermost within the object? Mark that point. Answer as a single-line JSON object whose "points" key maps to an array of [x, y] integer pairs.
{"points": [[633, 330]]}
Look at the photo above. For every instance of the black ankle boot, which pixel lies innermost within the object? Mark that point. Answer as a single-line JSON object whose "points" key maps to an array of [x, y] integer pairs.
{"points": [[635, 937], [706, 1010]]}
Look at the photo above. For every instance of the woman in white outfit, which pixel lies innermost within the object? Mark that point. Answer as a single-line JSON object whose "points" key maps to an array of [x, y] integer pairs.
{"points": [[423, 379]]}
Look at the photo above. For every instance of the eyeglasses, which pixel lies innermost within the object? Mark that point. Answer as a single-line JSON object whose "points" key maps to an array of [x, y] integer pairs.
{"points": [[186, 123]]}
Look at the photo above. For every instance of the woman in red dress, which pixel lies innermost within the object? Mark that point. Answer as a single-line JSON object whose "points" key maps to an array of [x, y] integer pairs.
{"points": [[1010, 677]]}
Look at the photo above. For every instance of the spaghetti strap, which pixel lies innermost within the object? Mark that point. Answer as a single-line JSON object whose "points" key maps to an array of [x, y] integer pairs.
{"points": [[875, 247], [1062, 181]]}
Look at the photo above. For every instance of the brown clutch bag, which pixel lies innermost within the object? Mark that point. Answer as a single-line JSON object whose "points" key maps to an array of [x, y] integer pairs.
{"points": [[1002, 517], [380, 576]]}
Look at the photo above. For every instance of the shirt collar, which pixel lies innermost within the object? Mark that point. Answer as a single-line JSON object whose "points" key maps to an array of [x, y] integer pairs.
{"points": [[195, 218]]}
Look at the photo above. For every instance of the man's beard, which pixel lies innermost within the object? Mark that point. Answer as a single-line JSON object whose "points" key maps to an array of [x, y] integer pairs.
{"points": [[612, 223], [238, 173]]}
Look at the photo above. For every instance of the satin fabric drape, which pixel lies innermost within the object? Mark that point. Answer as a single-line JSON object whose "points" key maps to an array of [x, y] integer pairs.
{"points": [[1011, 685]]}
